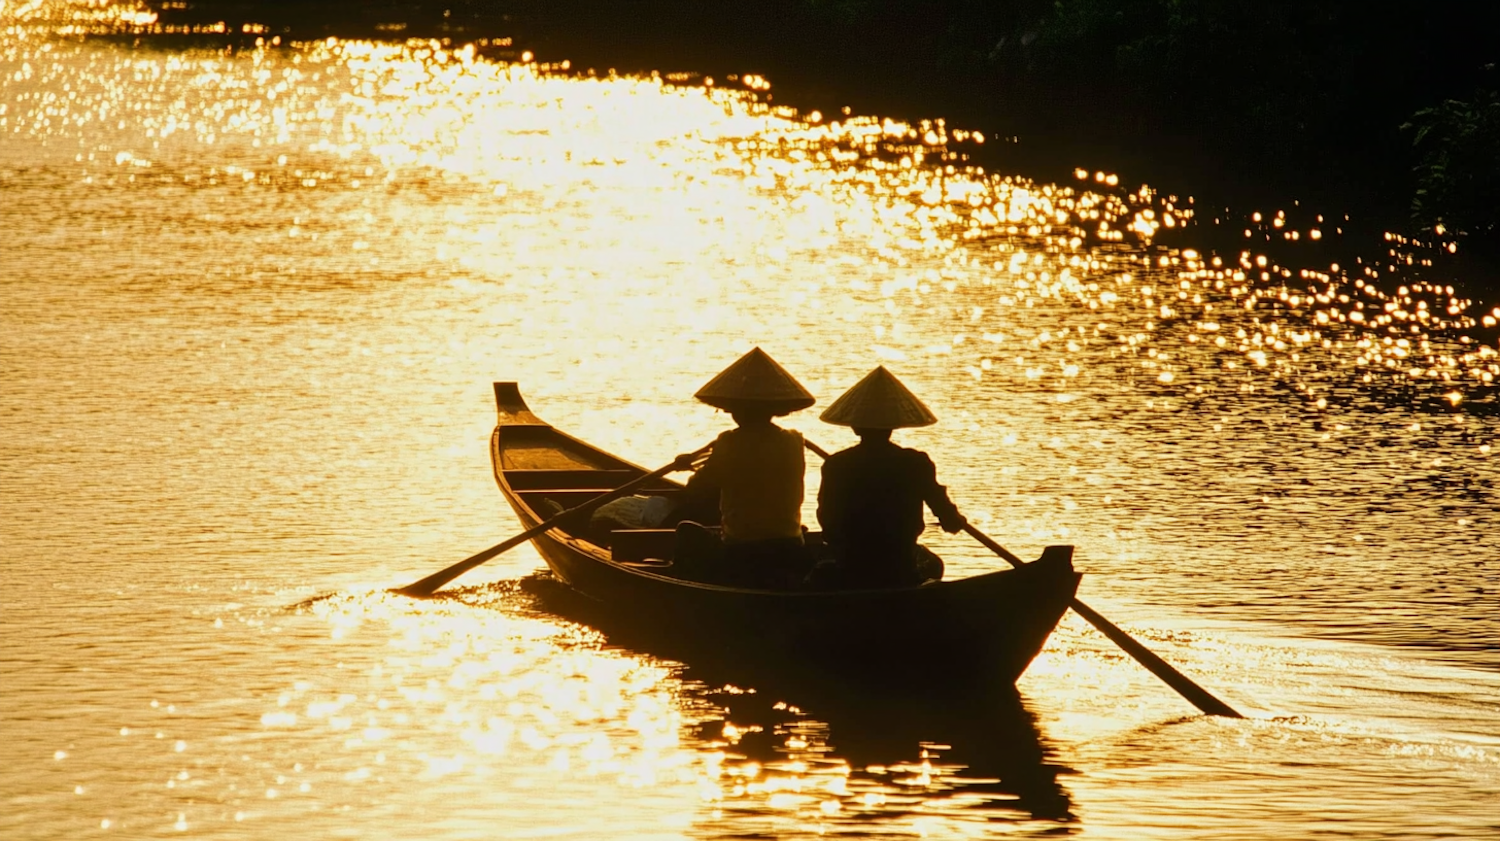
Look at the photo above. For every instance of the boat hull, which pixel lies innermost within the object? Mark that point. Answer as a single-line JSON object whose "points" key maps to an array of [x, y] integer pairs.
{"points": [[988, 627]]}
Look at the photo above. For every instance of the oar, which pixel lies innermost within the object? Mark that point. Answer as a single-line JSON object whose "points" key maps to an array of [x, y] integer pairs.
{"points": [[1200, 697], [432, 583], [1197, 695]]}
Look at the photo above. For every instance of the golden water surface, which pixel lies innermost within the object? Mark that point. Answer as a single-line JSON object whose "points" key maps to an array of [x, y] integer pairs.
{"points": [[252, 301]]}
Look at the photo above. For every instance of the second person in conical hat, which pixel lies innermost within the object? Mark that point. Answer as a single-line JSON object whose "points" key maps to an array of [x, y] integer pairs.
{"points": [[870, 502], [756, 470]]}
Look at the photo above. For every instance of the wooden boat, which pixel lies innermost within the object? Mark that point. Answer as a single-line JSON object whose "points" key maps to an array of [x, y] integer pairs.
{"points": [[987, 627]]}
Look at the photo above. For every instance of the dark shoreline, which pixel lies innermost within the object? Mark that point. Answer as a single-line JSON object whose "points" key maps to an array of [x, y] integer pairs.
{"points": [[1045, 132], [823, 69]]}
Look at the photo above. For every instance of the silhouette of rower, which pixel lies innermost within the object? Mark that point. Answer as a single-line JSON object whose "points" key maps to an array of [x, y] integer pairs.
{"points": [[870, 502], [756, 470]]}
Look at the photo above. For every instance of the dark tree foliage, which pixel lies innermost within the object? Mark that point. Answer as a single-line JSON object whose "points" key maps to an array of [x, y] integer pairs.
{"points": [[1305, 92], [1330, 69], [1458, 171]]}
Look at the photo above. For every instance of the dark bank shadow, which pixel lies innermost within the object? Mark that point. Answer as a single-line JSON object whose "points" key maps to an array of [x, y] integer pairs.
{"points": [[963, 748]]}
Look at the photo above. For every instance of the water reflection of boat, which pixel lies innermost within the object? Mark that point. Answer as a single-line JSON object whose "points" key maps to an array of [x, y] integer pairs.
{"points": [[987, 626], [969, 751], [887, 747]]}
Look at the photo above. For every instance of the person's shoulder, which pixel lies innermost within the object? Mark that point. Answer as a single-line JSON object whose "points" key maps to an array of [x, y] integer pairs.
{"points": [[844, 455], [914, 456], [841, 458]]}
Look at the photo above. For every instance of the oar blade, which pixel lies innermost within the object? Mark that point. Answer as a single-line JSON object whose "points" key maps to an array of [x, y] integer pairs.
{"points": [[432, 583], [1195, 694]]}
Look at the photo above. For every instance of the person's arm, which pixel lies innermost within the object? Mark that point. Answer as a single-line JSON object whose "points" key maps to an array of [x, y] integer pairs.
{"points": [[705, 478], [832, 502], [707, 471], [699, 500], [936, 497]]}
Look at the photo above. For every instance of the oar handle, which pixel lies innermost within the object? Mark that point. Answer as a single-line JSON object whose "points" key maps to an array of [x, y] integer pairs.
{"points": [[434, 582], [993, 546]]}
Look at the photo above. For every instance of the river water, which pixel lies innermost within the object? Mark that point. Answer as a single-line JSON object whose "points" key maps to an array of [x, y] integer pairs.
{"points": [[253, 301]]}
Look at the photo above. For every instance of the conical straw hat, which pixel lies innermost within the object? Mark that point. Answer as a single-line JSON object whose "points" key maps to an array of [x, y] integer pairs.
{"points": [[756, 381], [879, 401]]}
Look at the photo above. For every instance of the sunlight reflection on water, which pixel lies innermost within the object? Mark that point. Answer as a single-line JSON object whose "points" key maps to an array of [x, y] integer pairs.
{"points": [[254, 300]]}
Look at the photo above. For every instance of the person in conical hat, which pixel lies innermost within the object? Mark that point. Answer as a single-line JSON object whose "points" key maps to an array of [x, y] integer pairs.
{"points": [[756, 471], [870, 502]]}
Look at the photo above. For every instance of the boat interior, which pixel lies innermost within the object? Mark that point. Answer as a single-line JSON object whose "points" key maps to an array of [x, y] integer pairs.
{"points": [[548, 470]]}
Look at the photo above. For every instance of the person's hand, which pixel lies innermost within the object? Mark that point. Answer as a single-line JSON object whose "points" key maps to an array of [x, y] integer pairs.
{"points": [[684, 463], [955, 524]]}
